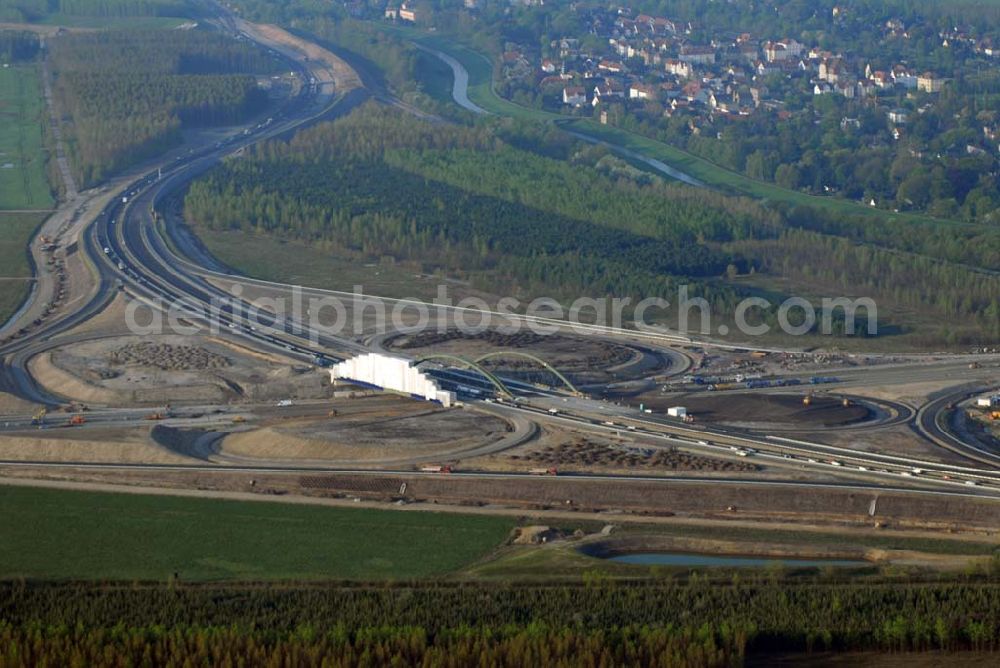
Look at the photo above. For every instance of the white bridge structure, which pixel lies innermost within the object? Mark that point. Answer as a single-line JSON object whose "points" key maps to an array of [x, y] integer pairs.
{"points": [[388, 372]]}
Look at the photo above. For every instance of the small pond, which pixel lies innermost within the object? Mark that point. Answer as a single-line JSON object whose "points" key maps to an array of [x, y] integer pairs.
{"points": [[695, 559]]}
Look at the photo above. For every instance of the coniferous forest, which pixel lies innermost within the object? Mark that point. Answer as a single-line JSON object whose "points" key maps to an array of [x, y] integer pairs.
{"points": [[128, 94], [693, 623]]}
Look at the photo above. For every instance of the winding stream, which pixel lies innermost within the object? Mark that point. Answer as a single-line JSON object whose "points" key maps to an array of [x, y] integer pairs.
{"points": [[460, 93], [460, 87], [692, 559]]}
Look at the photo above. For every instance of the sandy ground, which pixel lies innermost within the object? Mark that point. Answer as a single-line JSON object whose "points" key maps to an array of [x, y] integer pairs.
{"points": [[91, 445], [336, 72], [369, 429], [12, 405], [912, 393], [94, 371]]}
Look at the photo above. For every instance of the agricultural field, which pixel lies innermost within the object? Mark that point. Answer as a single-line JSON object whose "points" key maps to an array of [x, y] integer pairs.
{"points": [[15, 278], [23, 184], [60, 534], [25, 195]]}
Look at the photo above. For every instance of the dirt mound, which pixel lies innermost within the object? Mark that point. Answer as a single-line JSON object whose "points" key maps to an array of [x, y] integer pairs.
{"points": [[167, 357], [583, 452], [519, 340], [535, 535]]}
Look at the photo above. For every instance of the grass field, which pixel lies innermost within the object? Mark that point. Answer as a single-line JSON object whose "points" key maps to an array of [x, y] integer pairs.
{"points": [[435, 77], [60, 534], [15, 275], [296, 263], [23, 184]]}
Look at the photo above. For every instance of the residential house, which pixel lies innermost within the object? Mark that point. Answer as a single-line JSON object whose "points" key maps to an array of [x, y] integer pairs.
{"points": [[881, 79], [898, 116], [702, 55], [833, 71], [904, 77], [575, 96], [678, 68], [641, 91], [784, 50], [930, 83], [407, 13], [612, 66]]}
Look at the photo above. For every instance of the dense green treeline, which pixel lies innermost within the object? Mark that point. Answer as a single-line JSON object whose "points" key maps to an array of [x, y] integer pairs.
{"points": [[751, 614], [382, 646], [905, 280], [30, 11], [18, 45], [158, 51], [129, 94]]}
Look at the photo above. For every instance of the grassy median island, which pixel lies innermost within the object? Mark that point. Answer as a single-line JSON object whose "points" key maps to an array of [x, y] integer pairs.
{"points": [[61, 534]]}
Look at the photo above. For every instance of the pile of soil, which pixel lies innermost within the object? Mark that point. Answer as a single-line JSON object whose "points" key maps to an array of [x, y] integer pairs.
{"points": [[584, 452], [167, 357]]}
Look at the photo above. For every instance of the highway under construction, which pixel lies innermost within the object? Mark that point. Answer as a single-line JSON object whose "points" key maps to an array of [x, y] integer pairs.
{"points": [[260, 402]]}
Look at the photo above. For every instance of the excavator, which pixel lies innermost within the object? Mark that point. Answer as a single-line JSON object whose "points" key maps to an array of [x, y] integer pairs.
{"points": [[38, 419]]}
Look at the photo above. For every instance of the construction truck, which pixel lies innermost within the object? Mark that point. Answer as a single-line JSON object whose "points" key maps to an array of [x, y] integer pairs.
{"points": [[161, 415], [435, 469], [77, 420]]}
